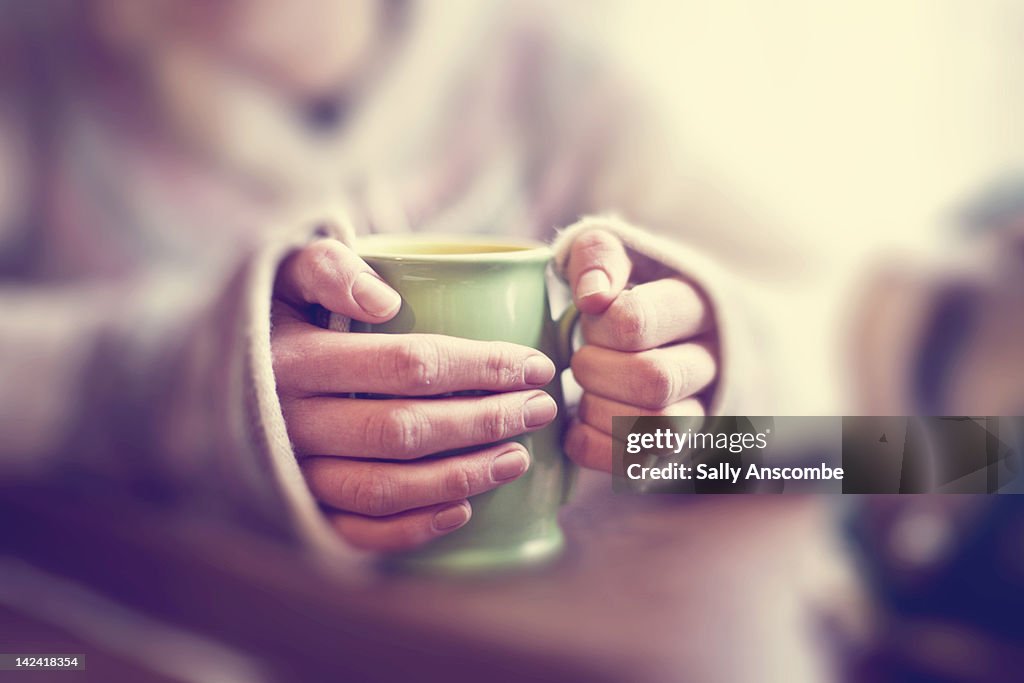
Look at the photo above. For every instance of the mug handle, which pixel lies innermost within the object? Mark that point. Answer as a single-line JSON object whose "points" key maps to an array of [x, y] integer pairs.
{"points": [[565, 329]]}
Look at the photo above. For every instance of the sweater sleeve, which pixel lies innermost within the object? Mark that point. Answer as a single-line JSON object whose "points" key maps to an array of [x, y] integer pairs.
{"points": [[159, 387]]}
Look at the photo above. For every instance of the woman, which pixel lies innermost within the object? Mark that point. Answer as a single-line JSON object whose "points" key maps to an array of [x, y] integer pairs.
{"points": [[189, 177]]}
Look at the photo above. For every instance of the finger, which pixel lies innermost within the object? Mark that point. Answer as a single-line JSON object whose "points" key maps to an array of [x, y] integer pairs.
{"points": [[648, 316], [308, 360], [649, 379], [402, 429], [598, 269], [588, 447], [402, 531], [385, 488], [330, 274], [598, 411]]}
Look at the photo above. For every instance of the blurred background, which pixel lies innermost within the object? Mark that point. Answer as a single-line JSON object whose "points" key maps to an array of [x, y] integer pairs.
{"points": [[866, 165], [865, 125], [881, 136]]}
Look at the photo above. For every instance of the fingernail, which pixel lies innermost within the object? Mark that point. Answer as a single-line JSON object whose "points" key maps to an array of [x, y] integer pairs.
{"points": [[594, 281], [374, 296], [451, 517], [539, 410], [509, 465], [538, 370]]}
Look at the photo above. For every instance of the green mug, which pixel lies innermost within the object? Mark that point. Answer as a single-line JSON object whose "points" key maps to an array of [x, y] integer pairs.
{"points": [[488, 289]]}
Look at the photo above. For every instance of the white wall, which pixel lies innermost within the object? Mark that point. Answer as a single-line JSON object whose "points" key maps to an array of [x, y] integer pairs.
{"points": [[870, 119]]}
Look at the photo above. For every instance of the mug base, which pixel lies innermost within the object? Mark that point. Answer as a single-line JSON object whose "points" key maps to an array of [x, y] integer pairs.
{"points": [[466, 561]]}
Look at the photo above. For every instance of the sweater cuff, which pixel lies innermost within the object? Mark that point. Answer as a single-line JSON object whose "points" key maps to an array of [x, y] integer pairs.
{"points": [[667, 258], [267, 423]]}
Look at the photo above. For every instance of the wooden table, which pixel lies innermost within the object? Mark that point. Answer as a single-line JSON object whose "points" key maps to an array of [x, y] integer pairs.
{"points": [[652, 588]]}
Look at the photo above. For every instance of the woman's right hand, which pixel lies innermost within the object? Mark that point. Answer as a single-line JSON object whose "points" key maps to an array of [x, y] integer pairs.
{"points": [[363, 459]]}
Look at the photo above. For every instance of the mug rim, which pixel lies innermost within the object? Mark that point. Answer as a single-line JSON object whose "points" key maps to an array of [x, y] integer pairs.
{"points": [[377, 246]]}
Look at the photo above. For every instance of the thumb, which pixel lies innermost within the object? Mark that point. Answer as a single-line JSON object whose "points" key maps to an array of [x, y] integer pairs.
{"points": [[598, 270], [330, 274]]}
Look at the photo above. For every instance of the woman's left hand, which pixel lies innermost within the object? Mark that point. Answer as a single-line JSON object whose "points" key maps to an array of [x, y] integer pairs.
{"points": [[648, 350]]}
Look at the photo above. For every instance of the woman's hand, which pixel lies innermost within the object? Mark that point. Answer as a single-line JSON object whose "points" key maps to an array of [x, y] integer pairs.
{"points": [[649, 350], [363, 459]]}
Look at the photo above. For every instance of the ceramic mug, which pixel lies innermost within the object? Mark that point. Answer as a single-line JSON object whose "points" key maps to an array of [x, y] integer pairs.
{"points": [[489, 289]]}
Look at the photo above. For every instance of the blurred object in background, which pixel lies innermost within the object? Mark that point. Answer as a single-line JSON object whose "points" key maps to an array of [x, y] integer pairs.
{"points": [[947, 572], [946, 337], [948, 575]]}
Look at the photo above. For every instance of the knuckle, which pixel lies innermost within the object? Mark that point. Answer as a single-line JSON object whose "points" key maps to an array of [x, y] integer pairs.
{"points": [[458, 483], [371, 493], [498, 422], [593, 245], [319, 264], [630, 321], [501, 368], [418, 362], [660, 383], [397, 432]]}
